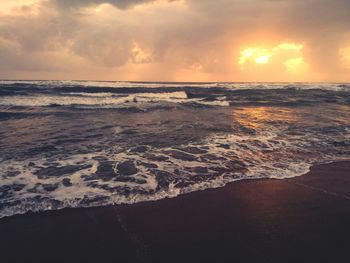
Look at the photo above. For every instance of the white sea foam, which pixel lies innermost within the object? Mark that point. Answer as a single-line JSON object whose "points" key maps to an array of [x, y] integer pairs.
{"points": [[88, 99], [104, 100], [279, 162], [85, 94], [221, 103]]}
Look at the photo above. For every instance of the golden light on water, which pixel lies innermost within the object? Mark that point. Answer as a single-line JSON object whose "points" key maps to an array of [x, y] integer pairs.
{"points": [[258, 117]]}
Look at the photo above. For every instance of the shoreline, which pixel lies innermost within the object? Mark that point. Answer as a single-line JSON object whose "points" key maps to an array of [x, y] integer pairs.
{"points": [[303, 219], [199, 188]]}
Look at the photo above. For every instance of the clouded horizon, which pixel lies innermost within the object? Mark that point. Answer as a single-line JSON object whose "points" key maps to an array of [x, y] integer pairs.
{"points": [[175, 40]]}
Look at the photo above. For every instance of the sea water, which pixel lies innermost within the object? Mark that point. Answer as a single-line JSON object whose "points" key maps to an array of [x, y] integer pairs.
{"points": [[82, 143]]}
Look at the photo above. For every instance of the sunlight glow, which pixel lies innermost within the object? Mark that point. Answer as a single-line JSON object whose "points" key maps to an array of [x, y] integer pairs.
{"points": [[259, 55], [345, 56], [8, 6], [139, 55], [263, 59], [284, 55], [296, 65], [256, 117], [289, 46], [99, 8]]}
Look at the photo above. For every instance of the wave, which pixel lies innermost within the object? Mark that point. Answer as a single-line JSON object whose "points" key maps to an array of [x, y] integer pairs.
{"points": [[104, 100], [211, 134], [118, 175], [156, 85], [88, 99]]}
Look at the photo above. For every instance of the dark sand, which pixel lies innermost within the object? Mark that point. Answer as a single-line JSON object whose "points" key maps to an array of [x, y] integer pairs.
{"points": [[304, 219]]}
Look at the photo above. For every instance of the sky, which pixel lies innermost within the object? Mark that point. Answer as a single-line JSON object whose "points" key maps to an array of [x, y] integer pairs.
{"points": [[176, 40]]}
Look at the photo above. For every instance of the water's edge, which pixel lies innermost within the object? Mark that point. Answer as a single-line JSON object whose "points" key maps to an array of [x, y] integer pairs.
{"points": [[147, 200]]}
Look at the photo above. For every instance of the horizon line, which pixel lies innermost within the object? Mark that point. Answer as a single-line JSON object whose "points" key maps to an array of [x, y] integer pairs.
{"points": [[181, 82]]}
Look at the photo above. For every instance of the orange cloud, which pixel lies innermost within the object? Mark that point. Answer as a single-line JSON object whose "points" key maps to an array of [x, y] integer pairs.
{"points": [[183, 40]]}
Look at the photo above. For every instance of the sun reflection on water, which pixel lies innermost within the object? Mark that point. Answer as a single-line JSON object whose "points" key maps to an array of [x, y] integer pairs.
{"points": [[260, 117]]}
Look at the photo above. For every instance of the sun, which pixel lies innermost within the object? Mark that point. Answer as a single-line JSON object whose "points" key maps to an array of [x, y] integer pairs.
{"points": [[258, 55], [264, 59], [287, 56]]}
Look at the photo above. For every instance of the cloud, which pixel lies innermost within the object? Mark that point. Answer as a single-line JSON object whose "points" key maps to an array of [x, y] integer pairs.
{"points": [[121, 4], [174, 40]]}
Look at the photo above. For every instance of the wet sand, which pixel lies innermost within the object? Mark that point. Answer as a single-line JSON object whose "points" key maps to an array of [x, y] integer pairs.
{"points": [[304, 219]]}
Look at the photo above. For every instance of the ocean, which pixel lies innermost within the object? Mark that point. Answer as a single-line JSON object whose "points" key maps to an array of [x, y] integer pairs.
{"points": [[84, 144]]}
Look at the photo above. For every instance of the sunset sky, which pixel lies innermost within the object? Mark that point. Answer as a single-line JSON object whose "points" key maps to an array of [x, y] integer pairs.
{"points": [[176, 40]]}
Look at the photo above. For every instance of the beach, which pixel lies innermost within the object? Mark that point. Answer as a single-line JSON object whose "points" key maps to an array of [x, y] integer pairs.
{"points": [[302, 219]]}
